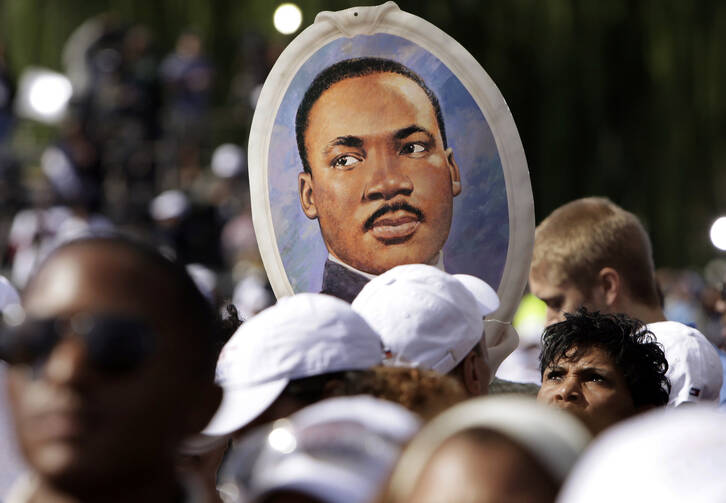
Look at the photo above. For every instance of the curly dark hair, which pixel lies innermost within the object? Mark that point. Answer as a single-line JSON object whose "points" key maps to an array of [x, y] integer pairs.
{"points": [[421, 391], [632, 347]]}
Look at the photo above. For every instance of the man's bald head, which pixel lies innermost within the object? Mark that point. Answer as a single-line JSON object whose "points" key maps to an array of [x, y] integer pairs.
{"points": [[139, 272]]}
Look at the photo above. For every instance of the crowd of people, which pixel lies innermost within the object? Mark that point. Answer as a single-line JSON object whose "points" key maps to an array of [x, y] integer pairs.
{"points": [[146, 359], [125, 382]]}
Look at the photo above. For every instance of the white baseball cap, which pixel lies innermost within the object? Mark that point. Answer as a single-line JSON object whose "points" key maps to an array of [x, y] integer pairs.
{"points": [[426, 317], [694, 367], [301, 336], [667, 455], [338, 450], [486, 298]]}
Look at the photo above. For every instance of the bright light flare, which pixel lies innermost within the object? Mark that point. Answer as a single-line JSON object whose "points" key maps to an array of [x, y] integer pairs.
{"points": [[287, 18], [282, 440], [43, 95], [718, 233]]}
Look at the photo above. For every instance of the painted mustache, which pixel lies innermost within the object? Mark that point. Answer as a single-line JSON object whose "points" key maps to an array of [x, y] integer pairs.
{"points": [[391, 208]]}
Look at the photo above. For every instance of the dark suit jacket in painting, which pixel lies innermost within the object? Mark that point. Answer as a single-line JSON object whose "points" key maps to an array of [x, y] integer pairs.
{"points": [[341, 282]]}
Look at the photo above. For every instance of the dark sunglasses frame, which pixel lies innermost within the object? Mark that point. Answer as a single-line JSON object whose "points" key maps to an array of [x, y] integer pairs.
{"points": [[114, 343]]}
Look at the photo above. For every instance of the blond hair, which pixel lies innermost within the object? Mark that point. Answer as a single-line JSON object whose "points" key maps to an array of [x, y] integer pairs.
{"points": [[577, 240]]}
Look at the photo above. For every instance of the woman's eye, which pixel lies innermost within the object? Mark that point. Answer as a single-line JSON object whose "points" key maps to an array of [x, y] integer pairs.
{"points": [[413, 148], [551, 376], [345, 161]]}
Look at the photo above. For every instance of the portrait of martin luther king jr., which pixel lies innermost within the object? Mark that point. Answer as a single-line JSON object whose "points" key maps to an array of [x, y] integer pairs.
{"points": [[378, 174]]}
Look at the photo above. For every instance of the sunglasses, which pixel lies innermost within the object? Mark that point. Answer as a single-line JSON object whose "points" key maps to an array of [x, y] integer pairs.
{"points": [[114, 344]]}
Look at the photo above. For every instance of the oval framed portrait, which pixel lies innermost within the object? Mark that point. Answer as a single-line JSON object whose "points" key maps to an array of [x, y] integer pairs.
{"points": [[378, 140]]}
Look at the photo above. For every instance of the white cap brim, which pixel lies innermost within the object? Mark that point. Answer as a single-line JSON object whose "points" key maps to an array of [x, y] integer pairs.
{"points": [[241, 406], [486, 298]]}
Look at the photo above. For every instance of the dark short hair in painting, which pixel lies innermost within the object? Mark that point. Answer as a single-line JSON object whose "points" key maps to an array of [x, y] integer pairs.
{"points": [[348, 69], [632, 347]]}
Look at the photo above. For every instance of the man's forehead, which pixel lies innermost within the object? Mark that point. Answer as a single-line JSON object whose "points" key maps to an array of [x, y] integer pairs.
{"points": [[88, 277], [544, 285], [360, 105]]}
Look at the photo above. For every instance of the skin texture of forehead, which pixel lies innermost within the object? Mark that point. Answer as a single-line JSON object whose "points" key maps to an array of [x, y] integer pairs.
{"points": [[124, 278], [65, 271]]}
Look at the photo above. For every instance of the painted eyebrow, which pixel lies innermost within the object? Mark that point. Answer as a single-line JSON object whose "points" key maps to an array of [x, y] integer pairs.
{"points": [[343, 141], [408, 131]]}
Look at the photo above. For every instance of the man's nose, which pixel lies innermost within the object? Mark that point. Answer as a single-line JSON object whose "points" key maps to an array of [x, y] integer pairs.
{"points": [[387, 178], [568, 390], [68, 363]]}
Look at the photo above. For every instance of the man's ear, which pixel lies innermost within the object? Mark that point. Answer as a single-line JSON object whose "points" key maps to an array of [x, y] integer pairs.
{"points": [[610, 286], [453, 172], [475, 382], [307, 199]]}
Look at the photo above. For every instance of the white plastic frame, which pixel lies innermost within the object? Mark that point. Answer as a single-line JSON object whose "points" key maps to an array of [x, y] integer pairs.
{"points": [[388, 18]]}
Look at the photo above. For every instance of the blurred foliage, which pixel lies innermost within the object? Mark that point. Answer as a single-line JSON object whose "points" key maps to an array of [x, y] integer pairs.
{"points": [[621, 98]]}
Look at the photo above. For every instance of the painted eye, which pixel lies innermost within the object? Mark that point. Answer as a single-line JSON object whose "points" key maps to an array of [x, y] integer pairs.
{"points": [[413, 148], [345, 161]]}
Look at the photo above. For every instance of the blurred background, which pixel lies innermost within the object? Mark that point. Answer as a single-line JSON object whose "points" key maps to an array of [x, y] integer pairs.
{"points": [[135, 114]]}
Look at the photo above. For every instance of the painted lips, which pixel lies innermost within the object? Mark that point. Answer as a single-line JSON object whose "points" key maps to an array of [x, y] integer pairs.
{"points": [[395, 226]]}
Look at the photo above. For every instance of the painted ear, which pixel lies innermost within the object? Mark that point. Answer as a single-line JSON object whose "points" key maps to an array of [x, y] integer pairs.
{"points": [[307, 199], [453, 172]]}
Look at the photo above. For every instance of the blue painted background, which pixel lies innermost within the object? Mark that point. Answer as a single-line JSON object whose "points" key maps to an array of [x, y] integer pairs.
{"points": [[479, 234]]}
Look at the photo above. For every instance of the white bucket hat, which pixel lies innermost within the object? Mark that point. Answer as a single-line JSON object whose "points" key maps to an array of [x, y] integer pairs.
{"points": [[301, 336]]}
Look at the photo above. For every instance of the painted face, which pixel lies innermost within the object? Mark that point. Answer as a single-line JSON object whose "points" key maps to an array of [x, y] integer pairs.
{"points": [[560, 299], [590, 387], [382, 184]]}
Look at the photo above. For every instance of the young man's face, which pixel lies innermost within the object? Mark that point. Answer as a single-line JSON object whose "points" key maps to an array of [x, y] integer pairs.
{"points": [[561, 298], [382, 184], [591, 387]]}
